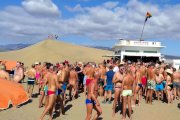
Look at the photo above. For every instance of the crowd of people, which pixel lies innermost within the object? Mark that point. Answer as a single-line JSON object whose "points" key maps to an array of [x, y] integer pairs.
{"points": [[127, 82]]}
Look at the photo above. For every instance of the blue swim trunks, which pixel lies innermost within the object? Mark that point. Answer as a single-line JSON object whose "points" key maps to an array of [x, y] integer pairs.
{"points": [[58, 91], [159, 87], [108, 88], [90, 102], [64, 86]]}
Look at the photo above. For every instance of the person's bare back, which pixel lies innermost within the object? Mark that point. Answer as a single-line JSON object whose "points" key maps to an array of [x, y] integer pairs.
{"points": [[18, 74], [31, 73], [73, 77], [102, 72], [51, 81]]}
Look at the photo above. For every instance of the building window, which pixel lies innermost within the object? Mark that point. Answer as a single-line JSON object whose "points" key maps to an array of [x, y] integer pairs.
{"points": [[132, 51], [150, 51], [119, 51]]}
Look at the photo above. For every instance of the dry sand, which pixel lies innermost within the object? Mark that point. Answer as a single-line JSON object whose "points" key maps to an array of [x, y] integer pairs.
{"points": [[76, 110], [55, 51]]}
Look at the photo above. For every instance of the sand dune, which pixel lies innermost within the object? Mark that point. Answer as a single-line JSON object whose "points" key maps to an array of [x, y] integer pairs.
{"points": [[54, 51]]}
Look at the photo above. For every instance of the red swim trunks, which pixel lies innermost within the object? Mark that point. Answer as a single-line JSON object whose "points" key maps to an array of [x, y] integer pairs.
{"points": [[88, 81], [50, 92], [144, 80]]}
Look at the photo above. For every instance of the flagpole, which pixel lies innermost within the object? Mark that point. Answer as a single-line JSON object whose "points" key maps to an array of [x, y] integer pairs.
{"points": [[142, 30]]}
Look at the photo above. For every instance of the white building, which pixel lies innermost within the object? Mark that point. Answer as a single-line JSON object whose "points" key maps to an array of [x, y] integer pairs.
{"points": [[133, 50], [174, 62]]}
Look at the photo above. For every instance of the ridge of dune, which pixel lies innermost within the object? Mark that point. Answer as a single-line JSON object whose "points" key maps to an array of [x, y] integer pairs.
{"points": [[54, 51]]}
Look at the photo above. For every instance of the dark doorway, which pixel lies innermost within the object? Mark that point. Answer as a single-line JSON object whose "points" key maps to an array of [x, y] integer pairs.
{"points": [[132, 58], [143, 59]]}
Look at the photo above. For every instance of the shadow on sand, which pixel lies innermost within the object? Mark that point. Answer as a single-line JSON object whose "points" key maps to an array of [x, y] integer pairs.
{"points": [[57, 113]]}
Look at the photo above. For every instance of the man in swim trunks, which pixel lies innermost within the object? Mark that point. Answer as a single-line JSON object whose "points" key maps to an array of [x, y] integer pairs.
{"points": [[85, 77], [51, 81], [169, 85], [143, 74], [151, 83], [138, 83], [63, 81], [73, 82], [18, 73], [79, 70], [31, 75], [108, 85], [43, 86], [127, 86], [102, 71], [38, 68], [133, 70], [91, 100], [117, 81], [159, 83], [176, 83]]}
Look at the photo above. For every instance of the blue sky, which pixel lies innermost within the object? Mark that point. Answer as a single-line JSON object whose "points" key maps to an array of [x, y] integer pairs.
{"points": [[90, 22]]}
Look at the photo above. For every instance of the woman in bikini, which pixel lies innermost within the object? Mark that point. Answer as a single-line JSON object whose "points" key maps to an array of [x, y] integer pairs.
{"points": [[117, 80]]}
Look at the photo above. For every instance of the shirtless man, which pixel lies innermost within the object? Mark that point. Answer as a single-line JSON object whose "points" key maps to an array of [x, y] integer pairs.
{"points": [[85, 78], [151, 83], [51, 81], [176, 83], [143, 74], [4, 75], [43, 86], [102, 78], [38, 68], [91, 100], [138, 83], [63, 81], [73, 79], [18, 73], [117, 81], [169, 86], [31, 74], [96, 81], [127, 86], [159, 83]]}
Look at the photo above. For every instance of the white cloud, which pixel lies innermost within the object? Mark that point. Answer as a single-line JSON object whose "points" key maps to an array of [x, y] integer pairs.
{"points": [[110, 4], [103, 22], [41, 7], [77, 8]]}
